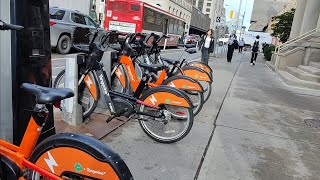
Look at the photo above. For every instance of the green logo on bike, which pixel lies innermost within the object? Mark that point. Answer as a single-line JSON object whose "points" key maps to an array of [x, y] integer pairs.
{"points": [[184, 86], [78, 167], [168, 101], [197, 75]]}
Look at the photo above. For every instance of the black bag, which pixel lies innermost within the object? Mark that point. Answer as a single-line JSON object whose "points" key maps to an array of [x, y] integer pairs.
{"points": [[255, 47], [235, 44]]}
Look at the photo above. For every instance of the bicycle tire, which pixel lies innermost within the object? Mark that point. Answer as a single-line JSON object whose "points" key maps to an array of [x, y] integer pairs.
{"points": [[189, 111], [90, 110], [207, 91], [96, 161]]}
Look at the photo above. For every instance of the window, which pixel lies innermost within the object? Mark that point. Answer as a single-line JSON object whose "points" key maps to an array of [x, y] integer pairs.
{"points": [[176, 27], [169, 8], [57, 14], [89, 21], [78, 18], [118, 6], [173, 10], [158, 19], [209, 4], [180, 14], [150, 17], [135, 7], [177, 13], [171, 23], [208, 10]]}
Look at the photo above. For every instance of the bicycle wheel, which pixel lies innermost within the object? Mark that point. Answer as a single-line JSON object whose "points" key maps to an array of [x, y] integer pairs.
{"points": [[207, 88], [119, 80], [78, 157], [197, 100], [176, 124], [88, 100]]}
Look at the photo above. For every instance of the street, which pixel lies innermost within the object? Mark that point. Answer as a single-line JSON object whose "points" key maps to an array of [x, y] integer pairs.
{"points": [[252, 127]]}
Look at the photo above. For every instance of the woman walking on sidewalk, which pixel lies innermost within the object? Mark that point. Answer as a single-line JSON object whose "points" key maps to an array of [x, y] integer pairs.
{"points": [[231, 41], [255, 49], [241, 45], [207, 46]]}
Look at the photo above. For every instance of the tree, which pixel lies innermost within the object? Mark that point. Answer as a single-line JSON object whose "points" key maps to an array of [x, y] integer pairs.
{"points": [[282, 27]]}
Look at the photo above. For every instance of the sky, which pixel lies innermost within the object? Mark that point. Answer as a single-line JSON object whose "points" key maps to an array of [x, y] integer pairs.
{"points": [[246, 7]]}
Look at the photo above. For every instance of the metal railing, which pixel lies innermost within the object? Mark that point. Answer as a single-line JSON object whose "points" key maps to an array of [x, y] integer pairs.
{"points": [[290, 43]]}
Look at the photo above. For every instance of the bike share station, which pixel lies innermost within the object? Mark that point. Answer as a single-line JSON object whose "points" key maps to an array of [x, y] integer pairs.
{"points": [[25, 56]]}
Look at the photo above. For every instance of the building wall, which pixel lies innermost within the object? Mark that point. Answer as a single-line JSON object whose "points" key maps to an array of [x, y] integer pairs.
{"points": [[262, 12], [212, 8], [180, 8], [81, 5], [6, 123], [199, 20]]}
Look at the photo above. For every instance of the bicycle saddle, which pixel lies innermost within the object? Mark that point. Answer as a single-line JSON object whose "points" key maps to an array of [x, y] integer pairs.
{"points": [[170, 61], [152, 67], [45, 95]]}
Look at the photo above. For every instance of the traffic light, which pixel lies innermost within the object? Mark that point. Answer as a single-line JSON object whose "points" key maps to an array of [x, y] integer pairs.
{"points": [[231, 14]]}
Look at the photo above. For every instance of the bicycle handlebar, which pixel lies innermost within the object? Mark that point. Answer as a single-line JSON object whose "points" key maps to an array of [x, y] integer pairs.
{"points": [[5, 26]]}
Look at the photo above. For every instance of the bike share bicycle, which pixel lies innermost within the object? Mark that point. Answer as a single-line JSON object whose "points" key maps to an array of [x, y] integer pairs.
{"points": [[61, 156], [194, 69], [124, 74], [165, 120]]}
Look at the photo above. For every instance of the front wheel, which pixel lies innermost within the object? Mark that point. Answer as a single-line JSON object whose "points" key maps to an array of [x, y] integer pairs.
{"points": [[176, 121]]}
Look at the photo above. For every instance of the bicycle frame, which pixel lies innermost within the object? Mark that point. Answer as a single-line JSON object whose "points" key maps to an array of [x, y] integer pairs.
{"points": [[19, 154]]}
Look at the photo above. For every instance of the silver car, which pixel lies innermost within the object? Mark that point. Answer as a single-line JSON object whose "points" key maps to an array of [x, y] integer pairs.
{"points": [[62, 25]]}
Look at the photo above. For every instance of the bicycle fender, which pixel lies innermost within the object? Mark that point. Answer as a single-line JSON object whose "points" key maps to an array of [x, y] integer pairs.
{"points": [[201, 65], [90, 83], [184, 83], [79, 154], [196, 73], [166, 95]]}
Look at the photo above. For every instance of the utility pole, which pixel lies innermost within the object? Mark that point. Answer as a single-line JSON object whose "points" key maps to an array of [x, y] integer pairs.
{"points": [[238, 17]]}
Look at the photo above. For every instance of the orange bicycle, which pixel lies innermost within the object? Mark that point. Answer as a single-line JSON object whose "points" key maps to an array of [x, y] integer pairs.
{"points": [[61, 156]]}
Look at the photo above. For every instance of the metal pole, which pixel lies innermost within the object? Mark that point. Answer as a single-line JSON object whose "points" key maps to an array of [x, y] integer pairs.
{"points": [[239, 16]]}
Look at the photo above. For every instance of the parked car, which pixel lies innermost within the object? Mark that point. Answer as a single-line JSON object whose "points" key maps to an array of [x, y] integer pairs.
{"points": [[62, 24], [192, 39]]}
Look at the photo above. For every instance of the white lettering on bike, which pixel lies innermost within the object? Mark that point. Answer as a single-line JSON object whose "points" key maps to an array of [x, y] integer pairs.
{"points": [[130, 73], [95, 172], [104, 88], [172, 85]]}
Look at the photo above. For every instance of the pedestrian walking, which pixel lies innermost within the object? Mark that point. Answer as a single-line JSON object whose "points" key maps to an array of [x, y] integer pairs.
{"points": [[241, 45], [207, 46], [231, 43], [255, 50]]}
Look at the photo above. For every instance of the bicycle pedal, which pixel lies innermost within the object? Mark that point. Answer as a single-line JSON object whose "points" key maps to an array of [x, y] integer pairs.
{"points": [[110, 119]]}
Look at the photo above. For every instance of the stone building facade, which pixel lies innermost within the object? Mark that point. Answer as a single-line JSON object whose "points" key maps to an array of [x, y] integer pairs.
{"points": [[297, 61]]}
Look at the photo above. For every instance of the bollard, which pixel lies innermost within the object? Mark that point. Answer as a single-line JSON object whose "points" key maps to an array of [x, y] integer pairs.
{"points": [[165, 44], [71, 110]]}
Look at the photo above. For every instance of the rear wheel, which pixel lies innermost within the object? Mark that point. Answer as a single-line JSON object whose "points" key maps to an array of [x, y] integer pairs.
{"points": [[85, 98], [207, 88], [77, 157], [197, 100]]}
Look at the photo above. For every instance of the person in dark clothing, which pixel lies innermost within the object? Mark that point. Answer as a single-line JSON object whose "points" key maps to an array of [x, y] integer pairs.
{"points": [[207, 46], [232, 39], [255, 50]]}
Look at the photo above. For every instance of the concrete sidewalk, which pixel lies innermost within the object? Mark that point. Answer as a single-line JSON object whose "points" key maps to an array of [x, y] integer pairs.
{"points": [[260, 130]]}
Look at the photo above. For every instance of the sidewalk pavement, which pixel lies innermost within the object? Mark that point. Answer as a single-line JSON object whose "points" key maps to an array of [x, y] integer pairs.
{"points": [[261, 132]]}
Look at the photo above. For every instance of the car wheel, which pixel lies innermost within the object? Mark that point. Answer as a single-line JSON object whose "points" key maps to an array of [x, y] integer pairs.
{"points": [[64, 45]]}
